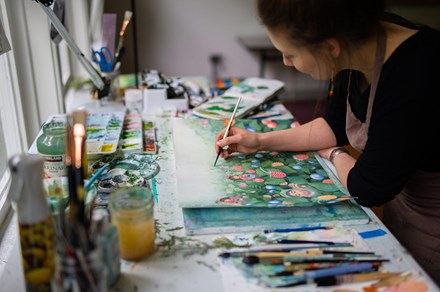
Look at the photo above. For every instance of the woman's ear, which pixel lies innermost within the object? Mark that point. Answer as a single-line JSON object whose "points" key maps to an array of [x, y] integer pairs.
{"points": [[334, 47]]}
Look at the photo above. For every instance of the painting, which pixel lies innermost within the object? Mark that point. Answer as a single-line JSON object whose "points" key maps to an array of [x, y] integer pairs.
{"points": [[254, 92], [263, 179]]}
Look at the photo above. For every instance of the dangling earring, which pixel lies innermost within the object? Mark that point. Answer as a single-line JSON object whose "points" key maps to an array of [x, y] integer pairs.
{"points": [[332, 83]]}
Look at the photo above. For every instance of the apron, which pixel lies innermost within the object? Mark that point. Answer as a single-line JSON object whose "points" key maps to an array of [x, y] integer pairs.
{"points": [[413, 216]]}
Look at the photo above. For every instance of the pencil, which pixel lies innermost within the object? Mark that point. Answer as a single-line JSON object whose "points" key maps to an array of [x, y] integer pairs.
{"points": [[227, 129]]}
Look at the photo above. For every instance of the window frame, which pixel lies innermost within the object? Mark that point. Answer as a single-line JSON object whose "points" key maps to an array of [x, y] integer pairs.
{"points": [[37, 73]]}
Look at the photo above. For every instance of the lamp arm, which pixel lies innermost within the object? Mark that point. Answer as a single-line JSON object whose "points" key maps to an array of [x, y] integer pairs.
{"points": [[101, 83]]}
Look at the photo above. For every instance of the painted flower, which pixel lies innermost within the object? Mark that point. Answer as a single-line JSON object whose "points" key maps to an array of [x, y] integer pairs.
{"points": [[234, 200], [255, 161], [277, 174], [259, 180], [327, 197], [294, 124], [272, 125], [250, 171], [238, 167], [274, 202], [276, 164], [259, 155], [301, 193], [254, 166], [270, 187], [301, 156], [248, 176], [249, 128], [242, 185], [274, 153], [316, 176], [327, 181], [288, 203], [267, 196], [297, 167], [265, 122]]}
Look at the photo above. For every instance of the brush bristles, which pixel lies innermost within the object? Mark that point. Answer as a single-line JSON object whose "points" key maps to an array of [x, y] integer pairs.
{"points": [[127, 15]]}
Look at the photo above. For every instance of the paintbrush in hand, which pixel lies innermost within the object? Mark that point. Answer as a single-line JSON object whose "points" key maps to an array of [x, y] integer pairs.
{"points": [[227, 129]]}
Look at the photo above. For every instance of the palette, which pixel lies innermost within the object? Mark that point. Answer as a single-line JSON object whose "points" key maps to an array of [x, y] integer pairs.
{"points": [[149, 133], [125, 170], [131, 138], [103, 132]]}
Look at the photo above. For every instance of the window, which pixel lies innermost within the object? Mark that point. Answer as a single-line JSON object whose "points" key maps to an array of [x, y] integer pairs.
{"points": [[33, 77], [9, 132]]}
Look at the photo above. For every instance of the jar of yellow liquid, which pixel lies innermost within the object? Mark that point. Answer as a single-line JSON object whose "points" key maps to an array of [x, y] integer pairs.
{"points": [[132, 212]]}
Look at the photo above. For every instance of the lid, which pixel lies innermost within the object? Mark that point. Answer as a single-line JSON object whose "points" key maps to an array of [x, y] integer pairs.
{"points": [[55, 128]]}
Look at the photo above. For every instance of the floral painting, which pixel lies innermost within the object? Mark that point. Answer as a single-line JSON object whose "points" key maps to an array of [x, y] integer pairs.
{"points": [[263, 179]]}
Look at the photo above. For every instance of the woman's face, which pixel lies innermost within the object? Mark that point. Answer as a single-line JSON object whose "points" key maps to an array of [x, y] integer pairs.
{"points": [[300, 57]]}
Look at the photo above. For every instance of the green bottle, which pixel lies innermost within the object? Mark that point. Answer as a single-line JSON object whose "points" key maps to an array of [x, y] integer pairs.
{"points": [[50, 145]]}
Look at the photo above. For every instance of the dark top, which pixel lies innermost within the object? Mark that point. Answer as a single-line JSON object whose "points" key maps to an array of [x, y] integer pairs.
{"points": [[405, 121]]}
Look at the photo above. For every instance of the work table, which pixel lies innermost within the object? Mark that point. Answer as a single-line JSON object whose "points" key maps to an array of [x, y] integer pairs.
{"points": [[191, 263]]}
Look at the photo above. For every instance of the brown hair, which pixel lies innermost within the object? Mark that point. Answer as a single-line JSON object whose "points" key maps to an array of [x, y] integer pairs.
{"points": [[309, 22]]}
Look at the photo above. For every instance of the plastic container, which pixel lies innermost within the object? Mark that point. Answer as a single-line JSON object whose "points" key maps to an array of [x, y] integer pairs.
{"points": [[132, 212], [134, 100], [50, 145], [37, 240]]}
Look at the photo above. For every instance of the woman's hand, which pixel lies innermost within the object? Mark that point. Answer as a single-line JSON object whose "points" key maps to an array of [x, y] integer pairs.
{"points": [[238, 140]]}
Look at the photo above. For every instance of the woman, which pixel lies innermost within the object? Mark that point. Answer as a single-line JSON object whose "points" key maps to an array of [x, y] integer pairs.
{"points": [[383, 101]]}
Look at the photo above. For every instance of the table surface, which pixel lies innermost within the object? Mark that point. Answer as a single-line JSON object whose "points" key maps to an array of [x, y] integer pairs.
{"points": [[189, 263], [185, 263]]}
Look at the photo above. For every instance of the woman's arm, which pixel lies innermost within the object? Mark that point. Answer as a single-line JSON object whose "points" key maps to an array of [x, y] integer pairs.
{"points": [[313, 135]]}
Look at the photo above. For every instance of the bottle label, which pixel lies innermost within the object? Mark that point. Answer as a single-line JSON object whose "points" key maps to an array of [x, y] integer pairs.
{"points": [[54, 165]]}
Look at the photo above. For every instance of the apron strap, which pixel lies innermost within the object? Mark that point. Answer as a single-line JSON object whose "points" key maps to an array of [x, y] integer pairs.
{"points": [[377, 69]]}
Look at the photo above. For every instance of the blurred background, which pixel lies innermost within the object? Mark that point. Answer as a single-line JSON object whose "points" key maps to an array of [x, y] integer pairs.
{"points": [[208, 38]]}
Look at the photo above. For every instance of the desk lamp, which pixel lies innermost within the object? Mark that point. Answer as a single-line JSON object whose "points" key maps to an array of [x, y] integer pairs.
{"points": [[101, 83]]}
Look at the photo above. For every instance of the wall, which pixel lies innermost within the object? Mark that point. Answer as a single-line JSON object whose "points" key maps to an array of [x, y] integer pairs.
{"points": [[178, 37]]}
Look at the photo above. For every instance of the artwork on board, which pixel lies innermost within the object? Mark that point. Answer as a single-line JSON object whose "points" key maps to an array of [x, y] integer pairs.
{"points": [[254, 92], [263, 179]]}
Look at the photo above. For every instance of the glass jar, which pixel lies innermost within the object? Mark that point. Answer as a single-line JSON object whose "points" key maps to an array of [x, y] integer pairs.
{"points": [[50, 145], [132, 212], [73, 273]]}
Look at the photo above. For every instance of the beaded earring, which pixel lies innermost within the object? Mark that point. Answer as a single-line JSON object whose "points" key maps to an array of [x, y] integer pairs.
{"points": [[332, 83]]}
